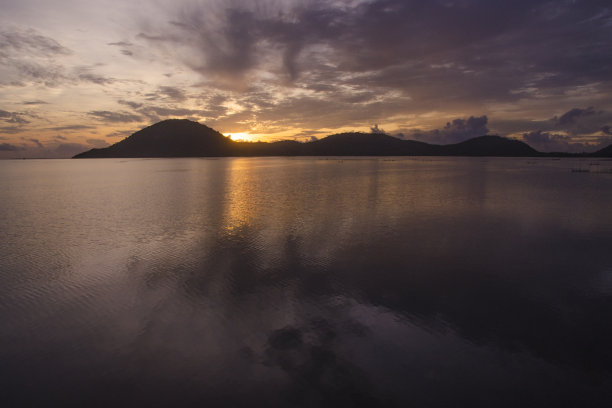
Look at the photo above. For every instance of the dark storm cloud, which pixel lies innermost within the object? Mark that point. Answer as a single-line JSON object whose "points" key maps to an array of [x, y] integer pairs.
{"points": [[430, 49], [454, 132], [607, 130], [7, 147], [115, 117]]}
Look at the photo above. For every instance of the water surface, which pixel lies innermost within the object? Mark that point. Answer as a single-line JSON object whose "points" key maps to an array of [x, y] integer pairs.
{"points": [[306, 282]]}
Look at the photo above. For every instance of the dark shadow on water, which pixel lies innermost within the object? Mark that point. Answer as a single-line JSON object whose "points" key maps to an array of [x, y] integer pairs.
{"points": [[317, 375]]}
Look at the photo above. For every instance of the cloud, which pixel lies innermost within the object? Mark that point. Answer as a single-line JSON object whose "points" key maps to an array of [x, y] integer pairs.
{"points": [[227, 41], [72, 127], [27, 56], [575, 130], [168, 92], [156, 113], [36, 142], [428, 49], [115, 117], [456, 131], [7, 147], [13, 118], [11, 129], [570, 117], [133, 105], [222, 41], [23, 72], [87, 74], [554, 142], [16, 118], [28, 41], [121, 44], [579, 121], [96, 79], [36, 102]]}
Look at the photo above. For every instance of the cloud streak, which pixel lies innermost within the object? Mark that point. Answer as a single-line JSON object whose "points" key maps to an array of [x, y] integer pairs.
{"points": [[115, 117]]}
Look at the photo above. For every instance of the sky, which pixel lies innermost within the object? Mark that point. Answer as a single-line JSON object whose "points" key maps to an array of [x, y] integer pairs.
{"points": [[77, 74]]}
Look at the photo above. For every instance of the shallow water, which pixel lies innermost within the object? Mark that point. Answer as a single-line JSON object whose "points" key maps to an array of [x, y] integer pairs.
{"points": [[306, 282]]}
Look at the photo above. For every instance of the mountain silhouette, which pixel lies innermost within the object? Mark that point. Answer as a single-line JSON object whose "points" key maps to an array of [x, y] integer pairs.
{"points": [[185, 138]]}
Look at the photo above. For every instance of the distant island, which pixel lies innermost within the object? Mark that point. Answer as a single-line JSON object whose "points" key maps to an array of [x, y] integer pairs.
{"points": [[186, 138]]}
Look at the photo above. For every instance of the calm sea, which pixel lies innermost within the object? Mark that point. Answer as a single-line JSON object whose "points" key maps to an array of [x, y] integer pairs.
{"points": [[433, 282]]}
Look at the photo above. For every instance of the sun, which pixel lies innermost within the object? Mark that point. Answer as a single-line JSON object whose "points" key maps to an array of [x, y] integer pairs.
{"points": [[245, 137]]}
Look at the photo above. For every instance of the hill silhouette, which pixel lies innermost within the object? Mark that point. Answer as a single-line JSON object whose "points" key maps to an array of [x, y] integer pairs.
{"points": [[605, 152], [185, 138], [169, 138], [490, 146]]}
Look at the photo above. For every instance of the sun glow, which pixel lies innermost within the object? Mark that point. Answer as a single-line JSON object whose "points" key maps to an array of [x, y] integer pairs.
{"points": [[245, 137]]}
